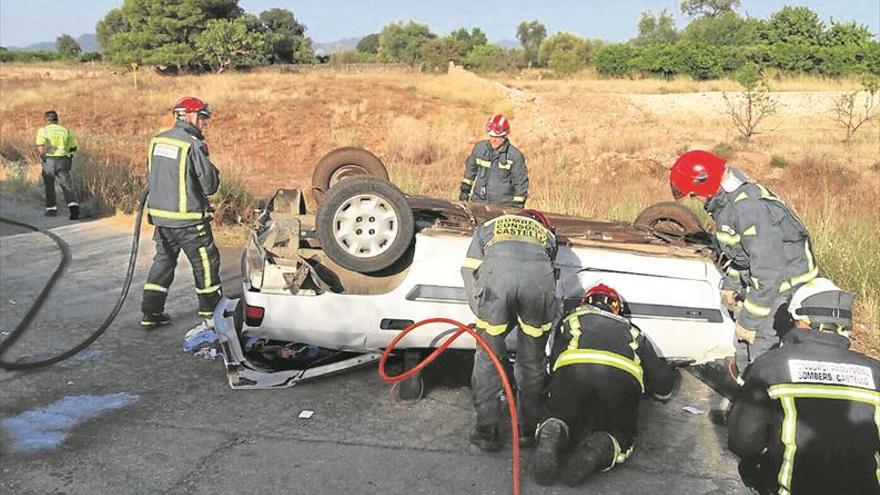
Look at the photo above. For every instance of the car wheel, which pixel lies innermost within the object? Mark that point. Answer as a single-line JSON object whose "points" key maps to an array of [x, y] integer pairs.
{"points": [[344, 163], [670, 217], [365, 224]]}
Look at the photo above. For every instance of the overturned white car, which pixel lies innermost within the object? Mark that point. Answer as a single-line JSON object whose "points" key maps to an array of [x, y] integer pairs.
{"points": [[327, 291]]}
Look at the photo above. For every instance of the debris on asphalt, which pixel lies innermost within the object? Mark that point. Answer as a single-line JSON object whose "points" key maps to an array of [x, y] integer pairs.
{"points": [[693, 410], [201, 337], [209, 353], [12, 301], [306, 414]]}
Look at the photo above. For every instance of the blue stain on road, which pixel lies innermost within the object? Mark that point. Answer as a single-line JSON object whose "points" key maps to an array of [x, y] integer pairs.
{"points": [[47, 428], [86, 356]]}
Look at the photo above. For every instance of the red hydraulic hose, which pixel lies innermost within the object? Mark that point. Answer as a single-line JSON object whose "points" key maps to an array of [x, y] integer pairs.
{"points": [[462, 328]]}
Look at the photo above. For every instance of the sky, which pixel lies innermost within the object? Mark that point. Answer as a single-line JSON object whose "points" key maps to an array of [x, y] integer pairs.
{"points": [[23, 22]]}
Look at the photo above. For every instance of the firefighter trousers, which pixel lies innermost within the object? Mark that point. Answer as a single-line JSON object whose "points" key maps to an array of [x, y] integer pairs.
{"points": [[197, 243], [595, 397], [57, 169], [529, 369]]}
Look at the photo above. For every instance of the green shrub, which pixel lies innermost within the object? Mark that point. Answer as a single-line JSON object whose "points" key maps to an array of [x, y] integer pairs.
{"points": [[659, 60], [493, 58], [699, 61], [565, 53], [615, 60], [90, 57], [778, 161], [724, 150]]}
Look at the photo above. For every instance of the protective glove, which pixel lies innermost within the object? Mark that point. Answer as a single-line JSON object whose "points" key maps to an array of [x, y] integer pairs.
{"points": [[743, 334], [465, 192], [728, 298], [519, 204]]}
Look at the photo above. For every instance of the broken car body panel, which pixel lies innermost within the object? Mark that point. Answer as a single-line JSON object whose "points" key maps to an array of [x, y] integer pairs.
{"points": [[670, 289]]}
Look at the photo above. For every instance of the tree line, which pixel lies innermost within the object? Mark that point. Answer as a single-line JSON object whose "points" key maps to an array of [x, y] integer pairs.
{"points": [[218, 35]]}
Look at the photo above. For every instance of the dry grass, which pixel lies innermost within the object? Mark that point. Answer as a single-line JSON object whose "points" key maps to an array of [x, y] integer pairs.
{"points": [[595, 147]]}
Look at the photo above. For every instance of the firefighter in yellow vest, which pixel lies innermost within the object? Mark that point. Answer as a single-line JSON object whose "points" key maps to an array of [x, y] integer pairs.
{"points": [[56, 146], [181, 179]]}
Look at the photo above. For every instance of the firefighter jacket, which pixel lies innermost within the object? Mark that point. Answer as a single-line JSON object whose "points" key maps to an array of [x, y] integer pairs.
{"points": [[589, 335], [807, 418], [505, 250], [766, 243], [181, 177], [496, 176], [59, 141]]}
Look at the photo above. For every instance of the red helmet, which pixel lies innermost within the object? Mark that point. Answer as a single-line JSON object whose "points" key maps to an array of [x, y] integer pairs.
{"points": [[602, 295], [696, 172], [537, 215], [190, 104], [498, 126]]}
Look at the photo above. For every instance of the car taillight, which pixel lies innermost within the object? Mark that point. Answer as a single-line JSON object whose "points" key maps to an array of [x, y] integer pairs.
{"points": [[253, 315]]}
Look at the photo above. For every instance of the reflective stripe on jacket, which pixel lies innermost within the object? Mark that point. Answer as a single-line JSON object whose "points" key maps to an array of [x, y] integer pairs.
{"points": [[589, 335], [58, 140], [514, 237], [808, 415], [497, 176], [767, 244], [181, 177]]}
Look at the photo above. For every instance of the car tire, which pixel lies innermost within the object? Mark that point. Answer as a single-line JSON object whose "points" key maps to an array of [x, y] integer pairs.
{"points": [[365, 224], [670, 217], [344, 163]]}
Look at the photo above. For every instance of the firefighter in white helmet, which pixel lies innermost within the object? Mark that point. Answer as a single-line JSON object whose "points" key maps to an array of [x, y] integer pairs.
{"points": [[805, 422], [495, 171]]}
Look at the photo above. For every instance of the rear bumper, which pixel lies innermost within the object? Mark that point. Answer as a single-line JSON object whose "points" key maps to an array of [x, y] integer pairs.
{"points": [[243, 374]]}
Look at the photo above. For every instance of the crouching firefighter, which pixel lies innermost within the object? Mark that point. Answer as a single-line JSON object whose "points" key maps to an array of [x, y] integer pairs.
{"points": [[767, 245], [602, 365], [510, 279], [807, 419], [181, 179]]}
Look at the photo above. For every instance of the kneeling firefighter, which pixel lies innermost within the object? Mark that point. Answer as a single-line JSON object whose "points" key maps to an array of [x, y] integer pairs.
{"points": [[509, 276], [181, 179], [602, 365], [807, 419]]}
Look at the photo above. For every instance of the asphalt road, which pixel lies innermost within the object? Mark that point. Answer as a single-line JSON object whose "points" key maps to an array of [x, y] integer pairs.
{"points": [[135, 415]]}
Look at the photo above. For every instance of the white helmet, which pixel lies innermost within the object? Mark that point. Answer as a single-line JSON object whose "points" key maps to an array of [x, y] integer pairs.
{"points": [[821, 303]]}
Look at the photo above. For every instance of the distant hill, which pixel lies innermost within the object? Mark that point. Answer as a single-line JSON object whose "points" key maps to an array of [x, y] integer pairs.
{"points": [[88, 42], [335, 46]]}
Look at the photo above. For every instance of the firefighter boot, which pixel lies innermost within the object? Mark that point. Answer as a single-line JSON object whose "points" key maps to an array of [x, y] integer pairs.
{"points": [[527, 436], [486, 438], [593, 453], [551, 436], [74, 212], [154, 320]]}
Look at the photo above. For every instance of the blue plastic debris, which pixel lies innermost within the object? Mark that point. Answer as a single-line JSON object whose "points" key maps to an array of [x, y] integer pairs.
{"points": [[200, 337]]}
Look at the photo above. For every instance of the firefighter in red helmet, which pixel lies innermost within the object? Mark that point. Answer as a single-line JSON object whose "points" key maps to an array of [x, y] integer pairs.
{"points": [[495, 171], [767, 247], [181, 179], [600, 366]]}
